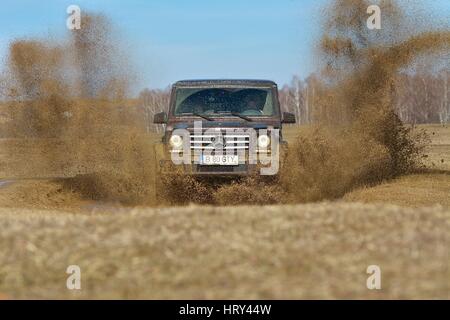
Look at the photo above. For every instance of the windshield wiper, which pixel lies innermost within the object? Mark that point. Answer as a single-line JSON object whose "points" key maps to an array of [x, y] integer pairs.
{"points": [[203, 116], [236, 114]]}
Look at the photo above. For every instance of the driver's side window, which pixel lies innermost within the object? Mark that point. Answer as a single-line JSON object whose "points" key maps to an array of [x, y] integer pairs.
{"points": [[253, 102]]}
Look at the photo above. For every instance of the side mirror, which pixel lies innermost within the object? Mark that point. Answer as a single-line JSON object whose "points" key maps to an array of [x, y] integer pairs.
{"points": [[288, 117], [160, 118]]}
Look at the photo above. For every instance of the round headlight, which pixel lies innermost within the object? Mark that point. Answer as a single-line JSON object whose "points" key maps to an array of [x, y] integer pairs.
{"points": [[176, 141], [263, 141]]}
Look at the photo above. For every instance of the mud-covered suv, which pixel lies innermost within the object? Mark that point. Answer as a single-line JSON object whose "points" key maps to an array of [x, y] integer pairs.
{"points": [[222, 127]]}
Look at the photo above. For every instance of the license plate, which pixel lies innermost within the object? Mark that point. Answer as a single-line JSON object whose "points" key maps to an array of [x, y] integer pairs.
{"points": [[220, 160]]}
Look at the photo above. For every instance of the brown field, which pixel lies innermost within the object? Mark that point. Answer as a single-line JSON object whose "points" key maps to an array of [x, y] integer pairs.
{"points": [[302, 251], [318, 250]]}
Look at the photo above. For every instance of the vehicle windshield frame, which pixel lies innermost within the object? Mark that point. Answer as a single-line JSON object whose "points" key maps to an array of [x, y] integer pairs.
{"points": [[271, 88]]}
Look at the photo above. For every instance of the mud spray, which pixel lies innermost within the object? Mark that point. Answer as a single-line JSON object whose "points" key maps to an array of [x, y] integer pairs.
{"points": [[357, 139], [70, 99]]}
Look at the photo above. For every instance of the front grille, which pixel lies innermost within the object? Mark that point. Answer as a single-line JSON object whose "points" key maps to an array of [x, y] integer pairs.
{"points": [[216, 142]]}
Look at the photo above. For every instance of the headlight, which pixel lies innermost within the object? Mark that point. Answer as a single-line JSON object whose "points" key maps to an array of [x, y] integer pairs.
{"points": [[176, 141], [263, 141]]}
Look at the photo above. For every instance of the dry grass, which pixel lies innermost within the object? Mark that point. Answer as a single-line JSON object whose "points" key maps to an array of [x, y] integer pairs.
{"points": [[416, 190], [301, 251]]}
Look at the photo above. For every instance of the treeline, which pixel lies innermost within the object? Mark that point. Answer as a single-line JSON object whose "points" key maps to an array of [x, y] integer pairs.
{"points": [[422, 97]]}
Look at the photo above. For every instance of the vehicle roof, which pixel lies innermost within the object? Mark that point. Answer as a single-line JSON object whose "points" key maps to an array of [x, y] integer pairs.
{"points": [[225, 82]]}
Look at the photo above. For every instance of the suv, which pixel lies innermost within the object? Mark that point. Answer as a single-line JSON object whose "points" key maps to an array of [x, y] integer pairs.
{"points": [[221, 127]]}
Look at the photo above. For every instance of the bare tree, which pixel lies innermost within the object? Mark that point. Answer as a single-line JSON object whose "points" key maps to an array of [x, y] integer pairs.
{"points": [[423, 97], [444, 112]]}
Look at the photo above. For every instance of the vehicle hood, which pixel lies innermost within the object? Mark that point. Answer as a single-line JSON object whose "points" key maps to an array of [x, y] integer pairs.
{"points": [[226, 123]]}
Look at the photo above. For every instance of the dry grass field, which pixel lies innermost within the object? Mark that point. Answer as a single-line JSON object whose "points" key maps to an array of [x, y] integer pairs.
{"points": [[318, 250], [302, 251], [416, 190]]}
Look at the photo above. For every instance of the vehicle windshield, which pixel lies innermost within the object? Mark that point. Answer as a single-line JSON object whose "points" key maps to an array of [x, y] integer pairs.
{"points": [[223, 101]]}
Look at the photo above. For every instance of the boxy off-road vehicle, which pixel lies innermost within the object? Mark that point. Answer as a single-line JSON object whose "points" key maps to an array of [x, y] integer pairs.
{"points": [[221, 128]]}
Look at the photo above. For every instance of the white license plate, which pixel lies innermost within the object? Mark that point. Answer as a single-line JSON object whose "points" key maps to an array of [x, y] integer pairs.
{"points": [[220, 160]]}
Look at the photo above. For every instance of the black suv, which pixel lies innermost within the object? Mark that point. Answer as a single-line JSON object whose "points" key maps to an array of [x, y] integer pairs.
{"points": [[220, 127]]}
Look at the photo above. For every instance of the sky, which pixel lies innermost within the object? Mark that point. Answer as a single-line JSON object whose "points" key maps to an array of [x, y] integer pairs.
{"points": [[170, 40]]}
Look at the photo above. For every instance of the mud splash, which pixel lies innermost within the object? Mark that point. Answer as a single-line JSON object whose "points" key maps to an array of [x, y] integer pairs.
{"points": [[71, 100], [357, 138]]}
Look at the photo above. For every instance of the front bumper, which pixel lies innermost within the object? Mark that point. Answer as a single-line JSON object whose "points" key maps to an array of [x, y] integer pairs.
{"points": [[167, 167]]}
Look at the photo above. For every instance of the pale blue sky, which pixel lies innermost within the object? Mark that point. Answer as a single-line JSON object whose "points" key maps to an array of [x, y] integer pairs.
{"points": [[180, 39]]}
